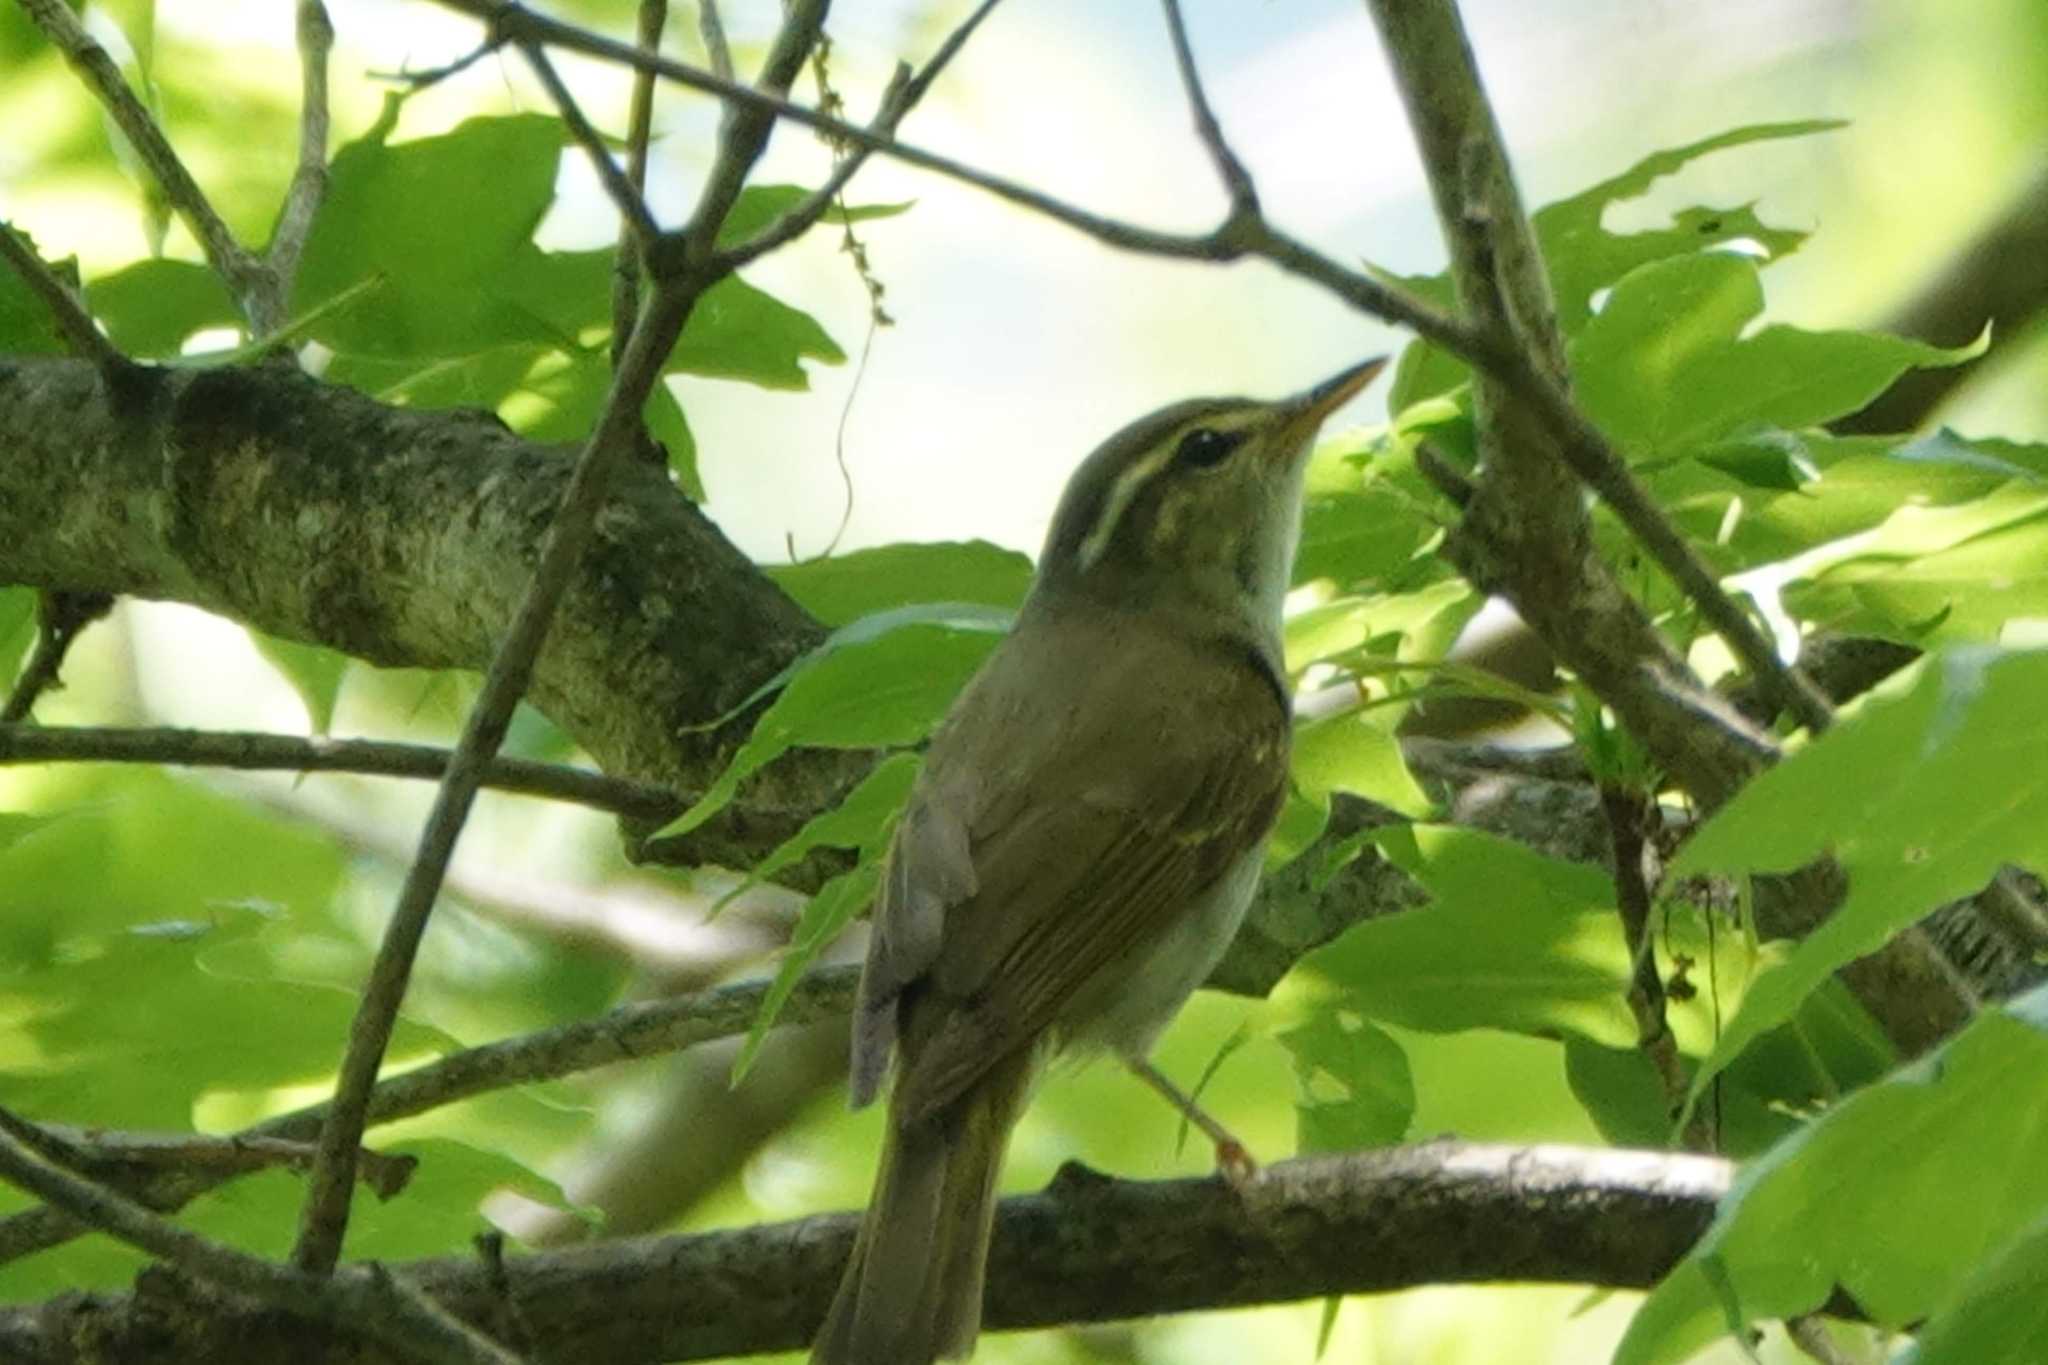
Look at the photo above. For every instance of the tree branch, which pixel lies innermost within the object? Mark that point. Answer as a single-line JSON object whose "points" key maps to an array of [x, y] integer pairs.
{"points": [[244, 274], [74, 323], [636, 220], [1087, 1249], [308, 188], [364, 1303], [61, 615], [249, 751], [626, 261], [1237, 181]]}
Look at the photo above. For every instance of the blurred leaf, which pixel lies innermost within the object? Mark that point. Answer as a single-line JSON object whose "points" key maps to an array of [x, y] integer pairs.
{"points": [[130, 1030], [1894, 1196], [17, 632], [1920, 797], [151, 307], [1764, 458], [1665, 368], [445, 224], [314, 671], [1353, 1083], [1998, 1316], [881, 692], [843, 588], [438, 1213]]}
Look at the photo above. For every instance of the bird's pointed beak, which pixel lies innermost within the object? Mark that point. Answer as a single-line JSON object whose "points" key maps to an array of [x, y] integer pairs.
{"points": [[1301, 415], [1312, 407]]}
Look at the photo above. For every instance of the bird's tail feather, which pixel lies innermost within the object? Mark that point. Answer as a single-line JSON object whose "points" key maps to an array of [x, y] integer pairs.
{"points": [[912, 1289]]}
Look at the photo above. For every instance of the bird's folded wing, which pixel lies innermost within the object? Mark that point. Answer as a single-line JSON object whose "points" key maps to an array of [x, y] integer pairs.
{"points": [[1069, 883]]}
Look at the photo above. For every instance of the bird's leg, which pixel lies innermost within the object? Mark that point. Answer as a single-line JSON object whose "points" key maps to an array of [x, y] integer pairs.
{"points": [[1233, 1160]]}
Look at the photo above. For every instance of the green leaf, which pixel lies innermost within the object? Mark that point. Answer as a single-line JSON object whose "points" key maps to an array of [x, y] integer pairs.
{"points": [[881, 692], [1548, 960], [1664, 367], [445, 223], [1357, 751], [17, 632], [1355, 1089], [1583, 256], [1895, 1196], [861, 819], [1921, 797], [1985, 588], [735, 331], [314, 671], [845, 587], [26, 326], [738, 332], [824, 918], [152, 307], [1998, 1316], [760, 205]]}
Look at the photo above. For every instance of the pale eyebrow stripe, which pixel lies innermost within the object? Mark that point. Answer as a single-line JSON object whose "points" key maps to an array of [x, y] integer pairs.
{"points": [[1118, 500]]}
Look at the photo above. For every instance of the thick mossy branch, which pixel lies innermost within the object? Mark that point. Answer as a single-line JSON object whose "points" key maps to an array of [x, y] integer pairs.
{"points": [[404, 538]]}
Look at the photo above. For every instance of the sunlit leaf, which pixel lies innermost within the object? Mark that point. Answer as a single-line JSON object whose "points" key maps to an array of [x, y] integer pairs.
{"points": [[1958, 1145], [1921, 797], [845, 587]]}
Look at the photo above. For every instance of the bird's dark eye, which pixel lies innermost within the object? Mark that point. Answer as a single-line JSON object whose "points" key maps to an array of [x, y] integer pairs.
{"points": [[1206, 447]]}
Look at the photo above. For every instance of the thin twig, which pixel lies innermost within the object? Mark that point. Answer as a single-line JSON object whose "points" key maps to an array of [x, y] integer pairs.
{"points": [[1237, 181], [636, 219], [60, 617], [244, 273], [308, 188], [639, 134], [324, 1217], [717, 50], [66, 309], [516, 23], [361, 1301], [1632, 818], [642, 1029], [254, 752], [901, 96]]}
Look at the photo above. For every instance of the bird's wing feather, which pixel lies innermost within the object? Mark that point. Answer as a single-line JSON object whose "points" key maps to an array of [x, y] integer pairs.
{"points": [[1111, 833]]}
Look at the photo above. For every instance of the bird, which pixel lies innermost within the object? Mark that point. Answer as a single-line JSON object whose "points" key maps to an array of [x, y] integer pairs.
{"points": [[1083, 838]]}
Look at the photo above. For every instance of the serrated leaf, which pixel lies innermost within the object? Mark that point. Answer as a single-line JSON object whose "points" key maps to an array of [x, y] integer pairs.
{"points": [[1353, 1084], [1664, 368], [1893, 1196], [152, 307], [314, 671], [845, 587], [1583, 256], [1988, 588], [1920, 797], [881, 692]]}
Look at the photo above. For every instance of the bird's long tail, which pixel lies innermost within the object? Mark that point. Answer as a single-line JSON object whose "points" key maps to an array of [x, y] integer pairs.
{"points": [[912, 1290]]}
